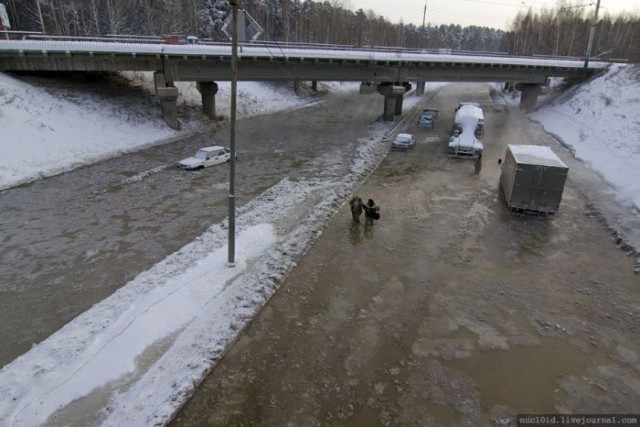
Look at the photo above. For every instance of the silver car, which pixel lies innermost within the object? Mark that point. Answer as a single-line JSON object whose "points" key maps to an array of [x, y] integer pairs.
{"points": [[404, 141]]}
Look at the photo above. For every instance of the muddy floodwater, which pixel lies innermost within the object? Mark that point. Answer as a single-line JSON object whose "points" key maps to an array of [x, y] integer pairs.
{"points": [[448, 311]]}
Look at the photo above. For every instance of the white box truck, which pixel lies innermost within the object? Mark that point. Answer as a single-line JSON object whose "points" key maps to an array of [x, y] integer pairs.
{"points": [[533, 178]]}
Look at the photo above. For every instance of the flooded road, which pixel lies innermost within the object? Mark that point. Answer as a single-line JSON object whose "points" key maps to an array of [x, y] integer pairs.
{"points": [[71, 240], [450, 310]]}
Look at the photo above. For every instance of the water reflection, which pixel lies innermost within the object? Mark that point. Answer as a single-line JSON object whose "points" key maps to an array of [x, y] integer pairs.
{"points": [[356, 233]]}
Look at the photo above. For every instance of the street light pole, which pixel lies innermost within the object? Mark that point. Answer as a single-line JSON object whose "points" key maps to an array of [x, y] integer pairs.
{"points": [[592, 32], [231, 260]]}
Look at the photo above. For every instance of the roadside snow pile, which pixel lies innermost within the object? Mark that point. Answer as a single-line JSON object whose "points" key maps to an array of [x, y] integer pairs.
{"points": [[45, 133], [600, 122]]}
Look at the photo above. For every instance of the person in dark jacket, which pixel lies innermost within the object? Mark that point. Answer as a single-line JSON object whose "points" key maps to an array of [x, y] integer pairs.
{"points": [[371, 212]]}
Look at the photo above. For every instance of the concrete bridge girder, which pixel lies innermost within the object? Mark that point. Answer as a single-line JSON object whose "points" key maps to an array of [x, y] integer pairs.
{"points": [[208, 91], [528, 95], [167, 96], [393, 98]]}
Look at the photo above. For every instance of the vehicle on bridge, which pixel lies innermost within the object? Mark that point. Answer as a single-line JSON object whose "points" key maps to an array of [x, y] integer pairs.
{"points": [[205, 157], [180, 39], [404, 141], [428, 118], [467, 131]]}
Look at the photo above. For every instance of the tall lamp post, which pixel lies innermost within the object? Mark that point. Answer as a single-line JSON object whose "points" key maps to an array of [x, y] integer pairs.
{"points": [[592, 32], [231, 260]]}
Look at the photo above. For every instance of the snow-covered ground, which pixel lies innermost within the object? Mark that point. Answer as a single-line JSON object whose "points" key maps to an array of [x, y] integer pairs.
{"points": [[137, 358], [600, 122]]}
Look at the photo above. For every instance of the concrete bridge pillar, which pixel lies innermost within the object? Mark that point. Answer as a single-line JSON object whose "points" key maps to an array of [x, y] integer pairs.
{"points": [[400, 98], [167, 95], [208, 91], [314, 85], [393, 97], [389, 108], [398, 107], [159, 80], [420, 88], [296, 87], [529, 95]]}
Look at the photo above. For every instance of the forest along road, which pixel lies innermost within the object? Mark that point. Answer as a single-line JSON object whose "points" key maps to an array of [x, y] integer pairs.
{"points": [[449, 311], [71, 240]]}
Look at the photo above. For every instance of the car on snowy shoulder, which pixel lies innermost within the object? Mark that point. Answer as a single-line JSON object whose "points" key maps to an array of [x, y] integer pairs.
{"points": [[404, 141], [428, 118], [205, 157]]}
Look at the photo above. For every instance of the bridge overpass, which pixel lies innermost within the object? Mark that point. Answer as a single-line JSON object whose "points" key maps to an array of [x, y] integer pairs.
{"points": [[390, 69]]}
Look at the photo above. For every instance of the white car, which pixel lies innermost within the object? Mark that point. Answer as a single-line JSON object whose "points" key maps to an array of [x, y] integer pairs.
{"points": [[205, 157], [404, 141]]}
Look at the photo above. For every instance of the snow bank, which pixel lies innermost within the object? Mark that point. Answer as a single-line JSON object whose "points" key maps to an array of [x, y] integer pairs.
{"points": [[45, 135], [600, 122]]}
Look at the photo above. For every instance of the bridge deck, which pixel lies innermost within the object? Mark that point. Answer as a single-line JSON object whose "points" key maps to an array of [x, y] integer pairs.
{"points": [[206, 62]]}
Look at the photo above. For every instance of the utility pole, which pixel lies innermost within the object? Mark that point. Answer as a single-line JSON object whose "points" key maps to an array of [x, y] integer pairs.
{"points": [[424, 16], [231, 260], [592, 33]]}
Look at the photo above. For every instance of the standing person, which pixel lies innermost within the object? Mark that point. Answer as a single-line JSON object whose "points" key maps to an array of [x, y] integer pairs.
{"points": [[371, 212], [478, 164]]}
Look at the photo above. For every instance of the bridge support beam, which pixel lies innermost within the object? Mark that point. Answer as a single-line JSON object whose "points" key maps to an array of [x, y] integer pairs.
{"points": [[389, 108], [296, 87], [398, 107], [314, 85], [420, 88], [393, 98], [167, 95], [529, 95], [400, 98], [208, 91]]}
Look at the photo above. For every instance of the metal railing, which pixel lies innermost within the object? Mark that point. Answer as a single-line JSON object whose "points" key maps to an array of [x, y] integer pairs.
{"points": [[140, 39]]}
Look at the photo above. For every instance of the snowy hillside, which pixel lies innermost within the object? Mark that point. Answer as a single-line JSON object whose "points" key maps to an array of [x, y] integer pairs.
{"points": [[600, 122]]}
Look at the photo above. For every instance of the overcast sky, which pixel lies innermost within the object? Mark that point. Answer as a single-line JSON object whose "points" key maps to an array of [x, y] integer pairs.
{"points": [[489, 13]]}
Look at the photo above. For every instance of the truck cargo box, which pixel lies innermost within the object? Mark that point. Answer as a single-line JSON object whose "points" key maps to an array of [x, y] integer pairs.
{"points": [[533, 178]]}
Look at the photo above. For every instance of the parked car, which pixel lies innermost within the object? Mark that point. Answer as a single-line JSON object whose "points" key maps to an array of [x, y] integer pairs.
{"points": [[428, 118], [404, 141], [205, 157]]}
